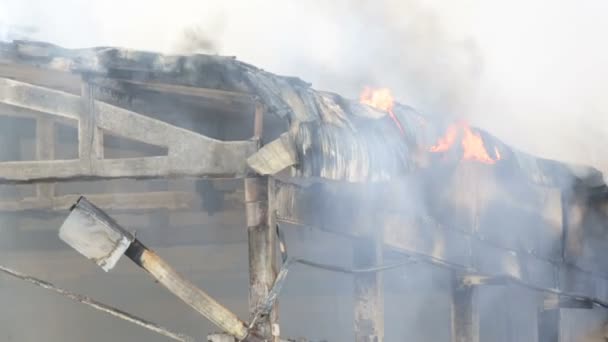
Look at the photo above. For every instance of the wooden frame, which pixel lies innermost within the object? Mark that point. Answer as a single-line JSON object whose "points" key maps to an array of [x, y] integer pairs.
{"points": [[190, 154]]}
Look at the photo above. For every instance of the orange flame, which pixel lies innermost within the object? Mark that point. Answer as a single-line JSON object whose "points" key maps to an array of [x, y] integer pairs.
{"points": [[472, 144], [381, 99], [446, 142]]}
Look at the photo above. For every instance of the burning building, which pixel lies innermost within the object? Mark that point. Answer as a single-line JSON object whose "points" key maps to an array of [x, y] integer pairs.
{"points": [[441, 231]]}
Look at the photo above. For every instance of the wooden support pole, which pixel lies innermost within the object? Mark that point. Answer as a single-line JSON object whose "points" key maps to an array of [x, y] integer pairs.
{"points": [[188, 292], [45, 150], [262, 268], [548, 325], [369, 292], [90, 137], [465, 314], [550, 315], [258, 122]]}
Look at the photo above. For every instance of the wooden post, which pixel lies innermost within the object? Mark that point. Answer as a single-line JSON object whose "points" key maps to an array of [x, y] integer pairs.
{"points": [[369, 293], [262, 271], [90, 137], [45, 150], [548, 325], [550, 315], [259, 204], [98, 237], [465, 314]]}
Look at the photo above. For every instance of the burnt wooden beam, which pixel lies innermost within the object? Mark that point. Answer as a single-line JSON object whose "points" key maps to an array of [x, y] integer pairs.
{"points": [[99, 238], [491, 258], [262, 254], [217, 100], [369, 292], [188, 292], [465, 311]]}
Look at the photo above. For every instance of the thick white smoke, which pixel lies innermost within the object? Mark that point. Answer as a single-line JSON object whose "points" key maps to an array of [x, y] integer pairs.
{"points": [[532, 72]]}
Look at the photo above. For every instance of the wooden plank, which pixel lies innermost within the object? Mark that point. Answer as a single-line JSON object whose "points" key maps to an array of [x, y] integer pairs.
{"points": [[196, 298], [274, 157], [39, 99], [31, 171], [115, 201], [224, 98], [21, 112], [60, 80], [189, 152], [369, 292]]}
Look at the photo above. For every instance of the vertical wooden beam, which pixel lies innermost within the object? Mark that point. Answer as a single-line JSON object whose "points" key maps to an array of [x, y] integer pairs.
{"points": [[90, 137], [260, 209], [369, 292], [262, 268], [258, 122], [550, 315], [465, 314], [548, 325], [45, 150]]}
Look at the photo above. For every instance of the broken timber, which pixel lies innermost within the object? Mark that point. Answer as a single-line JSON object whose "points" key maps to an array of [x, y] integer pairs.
{"points": [[98, 237]]}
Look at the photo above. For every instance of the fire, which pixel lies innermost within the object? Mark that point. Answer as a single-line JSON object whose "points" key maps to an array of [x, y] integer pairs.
{"points": [[381, 99], [472, 144], [446, 142]]}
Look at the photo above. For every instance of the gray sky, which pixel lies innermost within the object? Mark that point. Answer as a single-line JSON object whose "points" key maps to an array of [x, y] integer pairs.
{"points": [[532, 72]]}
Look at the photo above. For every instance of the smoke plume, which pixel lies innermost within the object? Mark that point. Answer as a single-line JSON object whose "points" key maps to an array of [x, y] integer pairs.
{"points": [[530, 72]]}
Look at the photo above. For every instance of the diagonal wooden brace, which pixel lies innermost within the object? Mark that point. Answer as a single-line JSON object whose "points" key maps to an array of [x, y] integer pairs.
{"points": [[98, 237]]}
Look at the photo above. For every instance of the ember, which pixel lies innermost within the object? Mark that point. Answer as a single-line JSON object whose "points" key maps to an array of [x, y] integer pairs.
{"points": [[381, 99], [472, 144]]}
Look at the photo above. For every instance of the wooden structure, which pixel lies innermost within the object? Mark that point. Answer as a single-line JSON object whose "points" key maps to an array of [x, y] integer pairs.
{"points": [[223, 136]]}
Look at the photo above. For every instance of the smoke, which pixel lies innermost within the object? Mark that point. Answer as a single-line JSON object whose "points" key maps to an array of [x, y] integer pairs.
{"points": [[530, 72]]}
